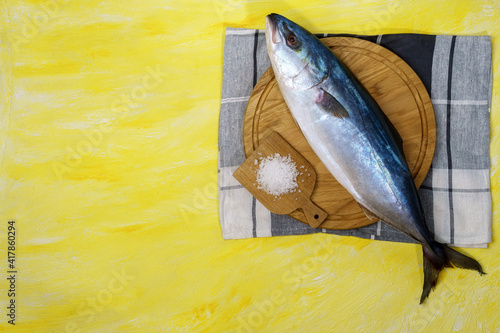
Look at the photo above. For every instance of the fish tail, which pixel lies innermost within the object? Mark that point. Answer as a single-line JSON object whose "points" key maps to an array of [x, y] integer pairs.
{"points": [[438, 256], [434, 262]]}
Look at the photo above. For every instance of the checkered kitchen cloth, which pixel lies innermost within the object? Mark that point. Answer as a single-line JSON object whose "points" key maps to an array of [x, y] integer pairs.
{"points": [[457, 72]]}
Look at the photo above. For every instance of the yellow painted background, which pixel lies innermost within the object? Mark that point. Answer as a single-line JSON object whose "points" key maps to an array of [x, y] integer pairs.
{"points": [[110, 174]]}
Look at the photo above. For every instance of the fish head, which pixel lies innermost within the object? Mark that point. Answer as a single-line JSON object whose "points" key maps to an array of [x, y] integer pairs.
{"points": [[295, 53]]}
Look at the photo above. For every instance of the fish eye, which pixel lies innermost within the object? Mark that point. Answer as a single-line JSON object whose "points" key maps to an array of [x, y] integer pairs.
{"points": [[292, 40]]}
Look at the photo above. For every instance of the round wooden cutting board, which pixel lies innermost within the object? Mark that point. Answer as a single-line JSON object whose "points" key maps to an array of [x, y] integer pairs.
{"points": [[395, 87]]}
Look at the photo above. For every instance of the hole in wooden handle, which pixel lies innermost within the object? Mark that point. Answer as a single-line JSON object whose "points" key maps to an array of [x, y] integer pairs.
{"points": [[314, 215]]}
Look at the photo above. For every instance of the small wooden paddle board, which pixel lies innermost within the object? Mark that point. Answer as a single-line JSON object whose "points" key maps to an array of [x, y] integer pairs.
{"points": [[296, 198]]}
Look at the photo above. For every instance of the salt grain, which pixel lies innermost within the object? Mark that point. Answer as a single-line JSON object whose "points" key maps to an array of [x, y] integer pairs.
{"points": [[277, 175]]}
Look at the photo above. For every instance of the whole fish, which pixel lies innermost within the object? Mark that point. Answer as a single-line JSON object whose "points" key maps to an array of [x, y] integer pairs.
{"points": [[353, 138]]}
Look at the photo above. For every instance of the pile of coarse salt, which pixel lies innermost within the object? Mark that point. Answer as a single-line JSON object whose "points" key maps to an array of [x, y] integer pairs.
{"points": [[277, 174]]}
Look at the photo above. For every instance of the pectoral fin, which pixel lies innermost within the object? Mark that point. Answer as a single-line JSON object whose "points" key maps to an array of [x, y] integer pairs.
{"points": [[330, 104]]}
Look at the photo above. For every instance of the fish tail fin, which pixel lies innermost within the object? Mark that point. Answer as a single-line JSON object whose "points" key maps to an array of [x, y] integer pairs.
{"points": [[462, 261], [433, 264], [436, 257]]}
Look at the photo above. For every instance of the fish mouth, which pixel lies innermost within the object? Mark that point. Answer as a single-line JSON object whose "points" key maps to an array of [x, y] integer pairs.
{"points": [[272, 29]]}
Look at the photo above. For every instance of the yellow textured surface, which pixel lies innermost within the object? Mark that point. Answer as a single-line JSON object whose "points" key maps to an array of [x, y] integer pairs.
{"points": [[108, 148]]}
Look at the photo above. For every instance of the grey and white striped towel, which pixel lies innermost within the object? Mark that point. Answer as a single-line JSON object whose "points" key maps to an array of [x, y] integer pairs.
{"points": [[457, 73]]}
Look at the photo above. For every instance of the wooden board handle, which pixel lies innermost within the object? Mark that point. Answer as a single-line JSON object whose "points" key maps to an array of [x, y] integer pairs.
{"points": [[314, 215]]}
